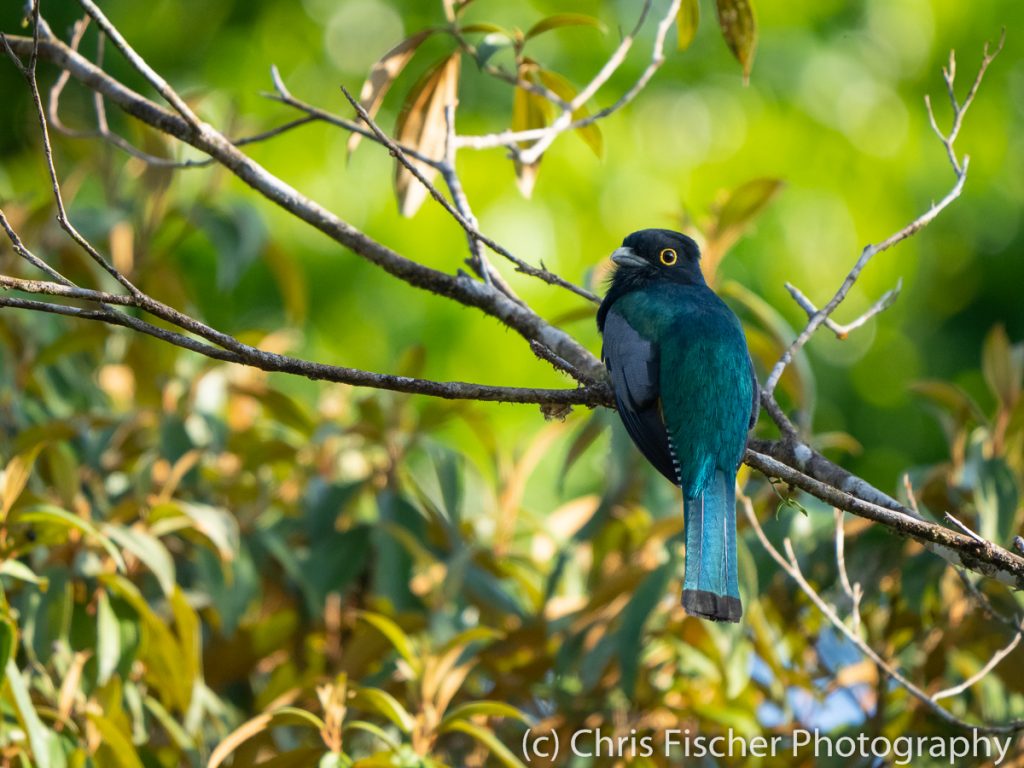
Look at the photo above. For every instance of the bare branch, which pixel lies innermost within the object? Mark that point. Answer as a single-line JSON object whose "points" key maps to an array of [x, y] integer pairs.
{"points": [[459, 288], [843, 331], [233, 351], [959, 549], [791, 566], [852, 591], [991, 664], [521, 266], [820, 317], [162, 86]]}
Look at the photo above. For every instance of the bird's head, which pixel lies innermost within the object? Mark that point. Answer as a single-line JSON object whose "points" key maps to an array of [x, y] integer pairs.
{"points": [[648, 257], [656, 255]]}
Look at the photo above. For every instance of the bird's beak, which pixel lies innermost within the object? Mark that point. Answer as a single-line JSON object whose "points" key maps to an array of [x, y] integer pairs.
{"points": [[626, 257]]}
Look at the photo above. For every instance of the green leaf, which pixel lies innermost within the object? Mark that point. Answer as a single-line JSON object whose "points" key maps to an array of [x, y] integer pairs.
{"points": [[108, 639], [559, 20], [395, 636], [8, 638], [18, 570], [1002, 368], [687, 22], [218, 525], [743, 205], [38, 735], [375, 730], [485, 27], [383, 703], [51, 515], [149, 550], [634, 617], [490, 45], [996, 497], [116, 746], [736, 18], [485, 708], [499, 751]]}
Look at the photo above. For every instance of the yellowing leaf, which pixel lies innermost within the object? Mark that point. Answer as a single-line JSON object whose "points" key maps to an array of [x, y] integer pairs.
{"points": [[383, 74], [422, 126], [687, 22], [16, 475], [590, 134], [736, 18]]}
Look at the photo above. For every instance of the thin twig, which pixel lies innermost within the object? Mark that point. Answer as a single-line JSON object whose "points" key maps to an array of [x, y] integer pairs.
{"points": [[162, 86], [843, 331], [852, 591], [820, 317], [521, 266], [791, 566]]}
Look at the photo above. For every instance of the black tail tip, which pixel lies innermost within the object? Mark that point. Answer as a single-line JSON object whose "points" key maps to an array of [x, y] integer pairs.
{"points": [[708, 605]]}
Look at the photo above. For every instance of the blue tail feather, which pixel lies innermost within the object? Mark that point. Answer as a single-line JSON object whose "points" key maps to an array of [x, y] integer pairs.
{"points": [[711, 583]]}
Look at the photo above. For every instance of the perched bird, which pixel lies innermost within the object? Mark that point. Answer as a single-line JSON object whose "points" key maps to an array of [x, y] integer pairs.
{"points": [[687, 394]]}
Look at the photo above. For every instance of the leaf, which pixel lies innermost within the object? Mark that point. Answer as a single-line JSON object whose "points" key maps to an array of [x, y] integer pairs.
{"points": [[8, 637], [634, 617], [485, 27], [38, 734], [16, 475], [382, 76], [46, 513], [996, 497], [237, 737], [108, 639], [490, 45], [115, 743], [18, 570], [591, 134], [422, 126], [485, 708], [149, 550], [395, 636], [383, 703], [1002, 369], [687, 22], [559, 20], [736, 18], [499, 751], [218, 525], [744, 203]]}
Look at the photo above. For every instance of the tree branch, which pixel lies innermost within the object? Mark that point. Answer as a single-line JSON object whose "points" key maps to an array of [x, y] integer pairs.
{"points": [[791, 566]]}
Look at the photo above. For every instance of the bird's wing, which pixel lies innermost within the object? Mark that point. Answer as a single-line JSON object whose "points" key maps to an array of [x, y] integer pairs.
{"points": [[755, 407], [632, 362]]}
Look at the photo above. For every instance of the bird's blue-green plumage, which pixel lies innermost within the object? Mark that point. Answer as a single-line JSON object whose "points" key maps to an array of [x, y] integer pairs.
{"points": [[686, 392]]}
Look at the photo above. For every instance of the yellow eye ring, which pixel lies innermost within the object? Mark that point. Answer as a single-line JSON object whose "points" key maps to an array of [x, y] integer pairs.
{"points": [[668, 257]]}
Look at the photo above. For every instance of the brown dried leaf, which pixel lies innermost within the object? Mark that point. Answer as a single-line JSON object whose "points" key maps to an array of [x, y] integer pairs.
{"points": [[421, 125], [736, 18], [383, 74]]}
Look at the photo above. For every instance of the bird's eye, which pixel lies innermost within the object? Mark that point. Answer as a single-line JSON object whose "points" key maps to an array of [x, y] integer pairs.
{"points": [[668, 257]]}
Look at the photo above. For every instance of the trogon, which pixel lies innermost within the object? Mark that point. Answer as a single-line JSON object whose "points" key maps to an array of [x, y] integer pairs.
{"points": [[687, 394]]}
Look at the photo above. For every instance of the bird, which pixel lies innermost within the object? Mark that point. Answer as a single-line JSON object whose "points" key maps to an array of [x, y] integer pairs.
{"points": [[687, 393]]}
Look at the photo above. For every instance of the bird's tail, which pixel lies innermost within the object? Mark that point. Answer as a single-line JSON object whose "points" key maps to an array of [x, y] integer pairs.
{"points": [[711, 585]]}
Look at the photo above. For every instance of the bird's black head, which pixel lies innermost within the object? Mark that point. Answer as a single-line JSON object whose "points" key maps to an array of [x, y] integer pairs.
{"points": [[652, 256]]}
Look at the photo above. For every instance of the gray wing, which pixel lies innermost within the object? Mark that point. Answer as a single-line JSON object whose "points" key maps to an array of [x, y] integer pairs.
{"points": [[632, 362], [755, 407]]}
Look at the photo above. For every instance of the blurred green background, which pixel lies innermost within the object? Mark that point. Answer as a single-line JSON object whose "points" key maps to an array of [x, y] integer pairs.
{"points": [[834, 109]]}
